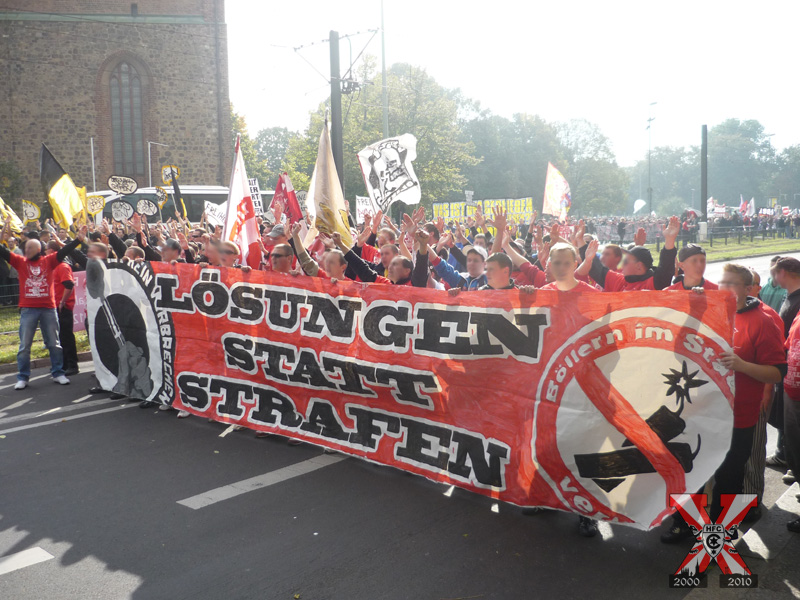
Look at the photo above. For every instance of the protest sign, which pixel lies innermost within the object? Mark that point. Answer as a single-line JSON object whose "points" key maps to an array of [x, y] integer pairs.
{"points": [[215, 213], [255, 196], [388, 170], [600, 404]]}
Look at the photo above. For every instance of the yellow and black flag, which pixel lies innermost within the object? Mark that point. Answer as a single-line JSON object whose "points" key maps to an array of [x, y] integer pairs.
{"points": [[176, 195], [65, 200]]}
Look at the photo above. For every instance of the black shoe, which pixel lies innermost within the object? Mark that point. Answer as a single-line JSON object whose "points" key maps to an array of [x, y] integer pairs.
{"points": [[117, 396], [72, 371], [147, 403], [97, 390], [753, 515], [532, 510], [676, 533], [793, 526], [587, 527]]}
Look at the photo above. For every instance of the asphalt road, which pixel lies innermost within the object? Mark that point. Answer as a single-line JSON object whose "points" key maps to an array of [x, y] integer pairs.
{"points": [[90, 508]]}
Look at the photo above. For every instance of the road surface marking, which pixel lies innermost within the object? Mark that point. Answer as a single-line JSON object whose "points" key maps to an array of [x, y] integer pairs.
{"points": [[227, 492], [54, 421], [60, 409], [23, 559]]}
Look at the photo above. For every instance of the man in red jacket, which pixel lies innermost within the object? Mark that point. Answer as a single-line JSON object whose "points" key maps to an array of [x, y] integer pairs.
{"points": [[64, 288], [757, 358], [37, 304]]}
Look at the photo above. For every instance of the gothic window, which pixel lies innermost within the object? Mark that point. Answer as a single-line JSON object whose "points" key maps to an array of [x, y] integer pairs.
{"points": [[126, 120]]}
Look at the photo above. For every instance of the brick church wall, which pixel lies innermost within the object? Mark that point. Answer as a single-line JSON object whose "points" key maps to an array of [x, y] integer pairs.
{"points": [[54, 86]]}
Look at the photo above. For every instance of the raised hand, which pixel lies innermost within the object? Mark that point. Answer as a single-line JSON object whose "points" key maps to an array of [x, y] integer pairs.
{"points": [[532, 224], [671, 232], [640, 237], [423, 237], [327, 241], [183, 241], [296, 228], [440, 224], [480, 219], [377, 222], [136, 223], [500, 218], [592, 248]]}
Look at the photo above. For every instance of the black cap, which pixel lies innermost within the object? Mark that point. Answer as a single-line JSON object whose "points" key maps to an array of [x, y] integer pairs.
{"points": [[642, 254], [690, 250]]}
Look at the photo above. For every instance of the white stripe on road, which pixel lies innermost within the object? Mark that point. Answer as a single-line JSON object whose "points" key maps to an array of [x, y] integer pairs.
{"points": [[23, 559], [54, 421], [60, 409], [227, 492]]}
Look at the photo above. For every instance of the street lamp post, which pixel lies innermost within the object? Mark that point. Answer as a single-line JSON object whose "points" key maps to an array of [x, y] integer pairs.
{"points": [[650, 120], [692, 198], [149, 162]]}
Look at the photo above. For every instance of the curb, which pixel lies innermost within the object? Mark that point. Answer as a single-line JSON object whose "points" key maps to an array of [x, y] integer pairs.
{"points": [[752, 256], [39, 363]]}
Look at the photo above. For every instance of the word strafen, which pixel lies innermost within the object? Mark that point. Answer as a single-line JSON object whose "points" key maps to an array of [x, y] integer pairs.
{"points": [[301, 367], [436, 330], [466, 456]]}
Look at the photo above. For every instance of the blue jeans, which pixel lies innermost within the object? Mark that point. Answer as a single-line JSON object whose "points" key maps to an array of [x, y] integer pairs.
{"points": [[47, 319]]}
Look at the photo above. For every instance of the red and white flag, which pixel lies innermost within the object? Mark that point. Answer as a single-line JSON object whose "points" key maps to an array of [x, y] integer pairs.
{"points": [[742, 205], [284, 194], [240, 225], [786, 211]]}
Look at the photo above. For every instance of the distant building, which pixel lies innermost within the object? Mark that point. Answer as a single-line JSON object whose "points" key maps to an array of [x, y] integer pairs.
{"points": [[122, 73]]}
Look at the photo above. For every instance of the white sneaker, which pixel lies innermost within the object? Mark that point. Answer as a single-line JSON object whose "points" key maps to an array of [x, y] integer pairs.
{"points": [[21, 385], [182, 414], [164, 407], [61, 380]]}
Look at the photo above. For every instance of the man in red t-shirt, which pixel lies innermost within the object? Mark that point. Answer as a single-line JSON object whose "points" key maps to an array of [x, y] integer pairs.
{"points": [[37, 304], [757, 358], [64, 289], [791, 408]]}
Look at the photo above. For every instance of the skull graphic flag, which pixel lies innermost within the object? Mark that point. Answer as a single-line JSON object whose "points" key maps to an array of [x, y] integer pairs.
{"points": [[389, 173]]}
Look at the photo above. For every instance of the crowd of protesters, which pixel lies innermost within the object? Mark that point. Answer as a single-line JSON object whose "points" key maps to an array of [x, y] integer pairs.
{"points": [[485, 252]]}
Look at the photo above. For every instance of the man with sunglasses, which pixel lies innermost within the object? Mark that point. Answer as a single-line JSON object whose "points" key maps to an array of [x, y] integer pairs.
{"points": [[281, 259]]}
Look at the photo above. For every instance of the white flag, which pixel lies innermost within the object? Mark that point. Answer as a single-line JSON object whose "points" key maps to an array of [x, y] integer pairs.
{"points": [[751, 207], [240, 225], [389, 173]]}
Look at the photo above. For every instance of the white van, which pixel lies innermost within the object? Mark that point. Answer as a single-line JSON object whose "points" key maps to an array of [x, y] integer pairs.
{"points": [[194, 196]]}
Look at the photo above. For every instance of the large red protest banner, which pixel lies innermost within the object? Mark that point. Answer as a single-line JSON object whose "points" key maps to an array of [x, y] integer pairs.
{"points": [[601, 404]]}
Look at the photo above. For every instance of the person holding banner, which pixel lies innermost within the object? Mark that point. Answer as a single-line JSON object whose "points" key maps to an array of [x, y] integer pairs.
{"points": [[37, 303], [757, 358], [563, 262], [692, 262], [401, 270]]}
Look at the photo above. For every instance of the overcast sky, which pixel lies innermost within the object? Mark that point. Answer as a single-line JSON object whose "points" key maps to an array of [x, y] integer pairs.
{"points": [[701, 61]]}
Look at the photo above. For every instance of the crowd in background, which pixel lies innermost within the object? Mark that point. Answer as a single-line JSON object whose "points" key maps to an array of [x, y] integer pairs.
{"points": [[481, 254]]}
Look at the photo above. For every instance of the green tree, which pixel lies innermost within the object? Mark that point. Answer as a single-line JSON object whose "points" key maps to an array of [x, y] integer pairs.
{"points": [[271, 146], [254, 166], [513, 155], [675, 173], [785, 183], [741, 161], [417, 105], [597, 184]]}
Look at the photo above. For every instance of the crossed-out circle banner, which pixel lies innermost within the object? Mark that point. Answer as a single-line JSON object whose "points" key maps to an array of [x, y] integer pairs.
{"points": [[599, 404]]}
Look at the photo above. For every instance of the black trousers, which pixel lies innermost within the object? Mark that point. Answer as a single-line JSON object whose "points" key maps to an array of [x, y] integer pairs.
{"points": [[67, 339], [729, 478], [791, 431]]}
